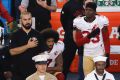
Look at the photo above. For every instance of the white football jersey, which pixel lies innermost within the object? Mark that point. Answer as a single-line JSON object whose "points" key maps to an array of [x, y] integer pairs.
{"points": [[95, 47], [54, 53]]}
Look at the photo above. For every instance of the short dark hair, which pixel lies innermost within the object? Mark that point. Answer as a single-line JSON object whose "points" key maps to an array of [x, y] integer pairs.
{"points": [[92, 5], [50, 33]]}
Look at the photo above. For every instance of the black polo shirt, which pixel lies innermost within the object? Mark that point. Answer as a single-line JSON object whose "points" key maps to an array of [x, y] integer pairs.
{"points": [[24, 66]]}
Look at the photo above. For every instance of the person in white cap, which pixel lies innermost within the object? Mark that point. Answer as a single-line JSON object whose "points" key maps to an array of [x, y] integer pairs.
{"points": [[41, 66], [56, 47], [99, 73]]}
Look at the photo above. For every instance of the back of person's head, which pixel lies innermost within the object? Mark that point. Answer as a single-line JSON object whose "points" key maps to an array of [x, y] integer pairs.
{"points": [[25, 13], [50, 33], [91, 5]]}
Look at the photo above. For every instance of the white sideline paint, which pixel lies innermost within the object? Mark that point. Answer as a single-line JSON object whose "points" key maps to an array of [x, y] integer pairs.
{"points": [[115, 49]]}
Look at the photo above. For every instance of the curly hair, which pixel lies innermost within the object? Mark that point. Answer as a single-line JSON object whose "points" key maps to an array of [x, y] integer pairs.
{"points": [[50, 33]]}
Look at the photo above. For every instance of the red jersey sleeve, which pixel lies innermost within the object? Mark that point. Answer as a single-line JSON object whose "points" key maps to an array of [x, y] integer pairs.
{"points": [[106, 39], [79, 39]]}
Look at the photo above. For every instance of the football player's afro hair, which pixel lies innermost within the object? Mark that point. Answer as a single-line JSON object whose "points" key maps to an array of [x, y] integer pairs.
{"points": [[50, 33]]}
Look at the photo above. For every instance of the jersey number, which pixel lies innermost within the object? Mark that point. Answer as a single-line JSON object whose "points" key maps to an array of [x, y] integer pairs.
{"points": [[49, 61], [93, 40]]}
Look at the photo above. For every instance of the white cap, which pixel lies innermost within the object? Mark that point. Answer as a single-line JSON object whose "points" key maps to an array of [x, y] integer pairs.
{"points": [[99, 58], [41, 58]]}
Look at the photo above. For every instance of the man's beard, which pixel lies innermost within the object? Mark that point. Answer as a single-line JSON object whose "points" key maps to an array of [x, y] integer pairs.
{"points": [[50, 46], [27, 26]]}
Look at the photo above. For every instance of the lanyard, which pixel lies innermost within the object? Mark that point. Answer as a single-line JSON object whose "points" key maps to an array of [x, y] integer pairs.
{"points": [[97, 77]]}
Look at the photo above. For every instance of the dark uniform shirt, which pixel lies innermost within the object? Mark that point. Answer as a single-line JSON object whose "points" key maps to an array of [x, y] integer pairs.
{"points": [[38, 11], [70, 10], [42, 15], [24, 66]]}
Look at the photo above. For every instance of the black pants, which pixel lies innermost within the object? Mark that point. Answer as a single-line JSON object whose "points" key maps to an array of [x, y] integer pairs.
{"points": [[17, 77], [68, 53]]}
